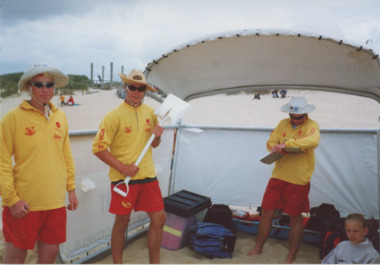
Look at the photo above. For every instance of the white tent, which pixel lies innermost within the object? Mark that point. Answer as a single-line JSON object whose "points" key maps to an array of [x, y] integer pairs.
{"points": [[347, 169], [261, 60], [347, 161]]}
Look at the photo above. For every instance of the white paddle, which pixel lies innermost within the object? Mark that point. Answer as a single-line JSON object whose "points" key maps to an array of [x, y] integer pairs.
{"points": [[171, 111]]}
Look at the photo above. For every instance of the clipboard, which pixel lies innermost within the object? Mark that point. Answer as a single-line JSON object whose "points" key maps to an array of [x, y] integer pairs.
{"points": [[269, 159]]}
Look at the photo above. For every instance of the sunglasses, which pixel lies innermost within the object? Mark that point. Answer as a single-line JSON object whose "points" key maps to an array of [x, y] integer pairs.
{"points": [[41, 85], [297, 118], [140, 89]]}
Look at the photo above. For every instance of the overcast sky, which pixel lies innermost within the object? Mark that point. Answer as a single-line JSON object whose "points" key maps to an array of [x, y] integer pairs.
{"points": [[72, 34]]}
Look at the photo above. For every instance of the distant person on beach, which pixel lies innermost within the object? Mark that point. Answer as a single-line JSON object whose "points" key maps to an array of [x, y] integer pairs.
{"points": [[70, 101], [283, 93], [257, 96], [35, 136], [121, 138], [289, 186], [358, 249], [62, 98], [275, 93]]}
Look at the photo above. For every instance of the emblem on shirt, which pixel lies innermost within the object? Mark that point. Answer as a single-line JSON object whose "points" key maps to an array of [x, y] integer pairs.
{"points": [[148, 127], [58, 125], [99, 143], [101, 135], [58, 137], [100, 146], [128, 129], [29, 131]]}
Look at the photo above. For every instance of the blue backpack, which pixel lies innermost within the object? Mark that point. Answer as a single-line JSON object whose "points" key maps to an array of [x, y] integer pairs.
{"points": [[212, 240]]}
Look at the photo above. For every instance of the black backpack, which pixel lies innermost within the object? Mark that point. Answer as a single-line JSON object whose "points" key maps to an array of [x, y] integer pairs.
{"points": [[219, 214], [324, 218]]}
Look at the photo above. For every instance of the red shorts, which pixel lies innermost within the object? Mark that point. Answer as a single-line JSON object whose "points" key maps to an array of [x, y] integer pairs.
{"points": [[46, 226], [141, 197], [290, 198]]}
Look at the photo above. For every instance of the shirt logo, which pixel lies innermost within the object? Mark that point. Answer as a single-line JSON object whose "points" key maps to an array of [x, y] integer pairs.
{"points": [[148, 127], [29, 131], [58, 125], [58, 137], [100, 146], [128, 129], [101, 135]]}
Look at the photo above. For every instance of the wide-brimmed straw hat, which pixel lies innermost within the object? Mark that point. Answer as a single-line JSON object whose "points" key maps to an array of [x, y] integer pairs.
{"points": [[136, 77], [298, 105], [60, 78]]}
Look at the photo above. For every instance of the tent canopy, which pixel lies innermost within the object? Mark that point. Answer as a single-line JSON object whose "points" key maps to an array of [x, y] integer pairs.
{"points": [[258, 60]]}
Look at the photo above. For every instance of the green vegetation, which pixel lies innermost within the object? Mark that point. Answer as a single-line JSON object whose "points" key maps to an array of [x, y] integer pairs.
{"points": [[9, 84], [76, 82]]}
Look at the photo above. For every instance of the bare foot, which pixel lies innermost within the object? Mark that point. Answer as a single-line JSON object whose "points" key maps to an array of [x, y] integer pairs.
{"points": [[254, 252], [290, 259]]}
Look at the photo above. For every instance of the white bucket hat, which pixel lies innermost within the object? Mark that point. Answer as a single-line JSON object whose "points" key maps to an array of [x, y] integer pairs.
{"points": [[136, 77], [298, 105], [60, 78]]}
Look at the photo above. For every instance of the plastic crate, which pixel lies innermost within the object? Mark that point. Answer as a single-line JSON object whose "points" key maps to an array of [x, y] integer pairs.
{"points": [[176, 231], [183, 210]]}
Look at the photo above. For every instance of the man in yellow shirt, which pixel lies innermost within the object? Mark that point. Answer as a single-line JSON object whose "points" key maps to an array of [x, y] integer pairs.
{"points": [[35, 135], [122, 136], [288, 189]]}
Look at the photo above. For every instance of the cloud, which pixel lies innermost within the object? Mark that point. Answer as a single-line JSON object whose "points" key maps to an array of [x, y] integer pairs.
{"points": [[72, 34]]}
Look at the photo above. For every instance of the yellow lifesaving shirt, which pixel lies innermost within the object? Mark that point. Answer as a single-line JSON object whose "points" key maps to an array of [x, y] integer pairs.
{"points": [[36, 163], [125, 132], [296, 168]]}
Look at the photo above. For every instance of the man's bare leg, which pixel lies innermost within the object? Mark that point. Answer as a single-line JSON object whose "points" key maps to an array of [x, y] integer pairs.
{"points": [[47, 253], [13, 254], [265, 226], [157, 222], [118, 237], [295, 237]]}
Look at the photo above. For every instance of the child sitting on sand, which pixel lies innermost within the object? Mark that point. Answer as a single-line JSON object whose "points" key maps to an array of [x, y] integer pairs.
{"points": [[358, 249]]}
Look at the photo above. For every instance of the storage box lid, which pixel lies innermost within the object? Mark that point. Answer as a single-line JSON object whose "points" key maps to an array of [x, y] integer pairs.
{"points": [[185, 203]]}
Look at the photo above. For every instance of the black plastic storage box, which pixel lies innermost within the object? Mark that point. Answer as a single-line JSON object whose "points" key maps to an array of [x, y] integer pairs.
{"points": [[185, 203], [183, 210]]}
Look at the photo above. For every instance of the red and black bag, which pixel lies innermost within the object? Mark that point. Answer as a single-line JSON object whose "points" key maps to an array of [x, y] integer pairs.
{"points": [[329, 241]]}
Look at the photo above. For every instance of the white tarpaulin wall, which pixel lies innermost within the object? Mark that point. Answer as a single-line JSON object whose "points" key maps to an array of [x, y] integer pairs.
{"points": [[223, 163]]}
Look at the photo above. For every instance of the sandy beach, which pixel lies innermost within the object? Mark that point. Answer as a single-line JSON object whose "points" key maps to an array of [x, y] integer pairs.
{"points": [[332, 111]]}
